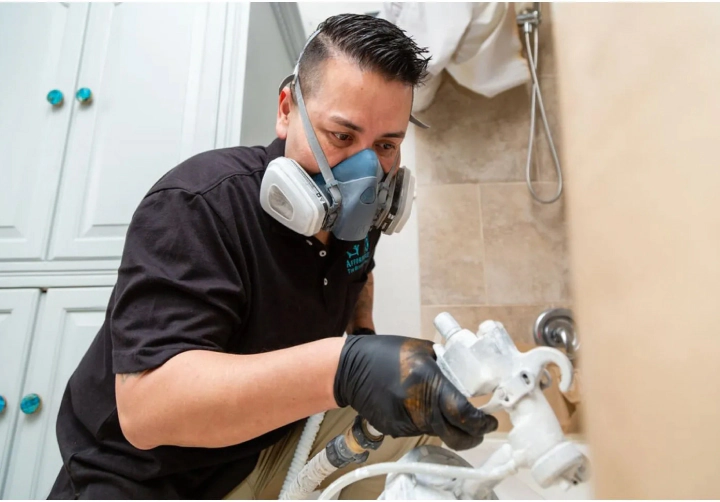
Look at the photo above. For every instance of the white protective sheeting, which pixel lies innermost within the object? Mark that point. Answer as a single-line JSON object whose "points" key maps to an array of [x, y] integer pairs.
{"points": [[476, 42]]}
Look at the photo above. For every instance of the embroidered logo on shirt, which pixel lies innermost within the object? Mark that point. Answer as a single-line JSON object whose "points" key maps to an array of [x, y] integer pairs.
{"points": [[356, 259]]}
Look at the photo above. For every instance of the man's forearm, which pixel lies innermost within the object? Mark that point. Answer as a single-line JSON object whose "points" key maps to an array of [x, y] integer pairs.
{"points": [[363, 314], [213, 399]]}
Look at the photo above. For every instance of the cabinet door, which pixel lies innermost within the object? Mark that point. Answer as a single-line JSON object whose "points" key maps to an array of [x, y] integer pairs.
{"points": [[68, 320], [39, 51], [154, 71], [17, 314]]}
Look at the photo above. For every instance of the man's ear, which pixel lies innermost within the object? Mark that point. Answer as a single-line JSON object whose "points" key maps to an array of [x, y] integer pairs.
{"points": [[285, 104]]}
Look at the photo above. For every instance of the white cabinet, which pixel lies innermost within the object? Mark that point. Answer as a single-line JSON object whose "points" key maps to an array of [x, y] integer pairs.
{"points": [[17, 314], [166, 81], [67, 322], [39, 51], [154, 71]]}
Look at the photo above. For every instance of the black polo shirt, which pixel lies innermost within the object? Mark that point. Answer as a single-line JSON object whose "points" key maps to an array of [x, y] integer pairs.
{"points": [[204, 267]]}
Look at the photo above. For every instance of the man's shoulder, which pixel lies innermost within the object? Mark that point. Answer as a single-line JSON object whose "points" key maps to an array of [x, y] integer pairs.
{"points": [[203, 172]]}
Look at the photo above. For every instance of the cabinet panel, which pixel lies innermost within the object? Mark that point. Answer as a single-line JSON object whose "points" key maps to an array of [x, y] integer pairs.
{"points": [[39, 51], [155, 72], [67, 323], [17, 314]]}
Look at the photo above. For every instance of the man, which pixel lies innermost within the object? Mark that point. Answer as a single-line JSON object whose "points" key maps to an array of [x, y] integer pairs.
{"points": [[224, 328]]}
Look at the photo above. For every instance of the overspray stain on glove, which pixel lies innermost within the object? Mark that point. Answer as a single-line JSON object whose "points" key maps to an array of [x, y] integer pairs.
{"points": [[395, 383]]}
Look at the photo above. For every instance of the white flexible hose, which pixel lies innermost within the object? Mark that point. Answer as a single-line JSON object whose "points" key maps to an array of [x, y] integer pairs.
{"points": [[302, 451], [536, 94], [481, 475], [309, 478]]}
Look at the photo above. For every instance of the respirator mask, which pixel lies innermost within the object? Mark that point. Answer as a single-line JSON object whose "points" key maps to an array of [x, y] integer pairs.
{"points": [[348, 200]]}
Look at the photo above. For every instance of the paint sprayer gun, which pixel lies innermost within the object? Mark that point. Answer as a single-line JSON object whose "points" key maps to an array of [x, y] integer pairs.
{"points": [[490, 363], [486, 363]]}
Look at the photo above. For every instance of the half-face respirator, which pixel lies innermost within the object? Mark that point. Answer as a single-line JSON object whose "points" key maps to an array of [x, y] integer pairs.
{"points": [[348, 200]]}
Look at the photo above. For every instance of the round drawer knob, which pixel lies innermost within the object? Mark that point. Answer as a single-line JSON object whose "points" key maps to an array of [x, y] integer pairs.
{"points": [[3, 404], [55, 97], [84, 95], [30, 404]]}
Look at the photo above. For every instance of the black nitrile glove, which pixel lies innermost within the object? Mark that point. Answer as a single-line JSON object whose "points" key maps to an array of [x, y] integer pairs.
{"points": [[396, 385], [363, 331]]}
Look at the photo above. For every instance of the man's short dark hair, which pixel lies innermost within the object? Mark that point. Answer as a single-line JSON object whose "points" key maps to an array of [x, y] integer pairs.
{"points": [[373, 44]]}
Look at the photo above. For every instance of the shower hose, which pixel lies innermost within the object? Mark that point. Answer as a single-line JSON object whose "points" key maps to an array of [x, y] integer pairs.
{"points": [[532, 53]]}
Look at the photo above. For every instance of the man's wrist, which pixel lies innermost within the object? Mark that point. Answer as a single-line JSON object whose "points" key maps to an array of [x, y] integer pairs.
{"points": [[336, 347]]}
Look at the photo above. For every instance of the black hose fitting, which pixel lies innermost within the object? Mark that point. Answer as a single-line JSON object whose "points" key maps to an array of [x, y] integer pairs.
{"points": [[353, 445], [364, 438], [339, 453]]}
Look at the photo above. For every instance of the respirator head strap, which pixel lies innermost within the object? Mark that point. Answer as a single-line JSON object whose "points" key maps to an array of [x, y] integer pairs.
{"points": [[386, 186], [330, 182], [417, 122]]}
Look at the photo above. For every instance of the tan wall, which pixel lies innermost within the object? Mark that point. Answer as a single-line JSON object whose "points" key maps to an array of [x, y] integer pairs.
{"points": [[487, 250], [641, 120]]}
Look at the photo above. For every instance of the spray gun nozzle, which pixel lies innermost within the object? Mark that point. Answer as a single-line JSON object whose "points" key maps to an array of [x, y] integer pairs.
{"points": [[446, 325]]}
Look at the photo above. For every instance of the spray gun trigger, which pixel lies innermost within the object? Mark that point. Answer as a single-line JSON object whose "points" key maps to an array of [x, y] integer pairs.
{"points": [[496, 402]]}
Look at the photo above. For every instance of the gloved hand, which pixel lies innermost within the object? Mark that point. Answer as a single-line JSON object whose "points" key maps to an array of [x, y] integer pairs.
{"points": [[396, 385]]}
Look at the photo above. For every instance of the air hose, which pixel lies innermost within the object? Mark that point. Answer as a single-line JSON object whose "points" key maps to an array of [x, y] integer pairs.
{"points": [[353, 445], [302, 450]]}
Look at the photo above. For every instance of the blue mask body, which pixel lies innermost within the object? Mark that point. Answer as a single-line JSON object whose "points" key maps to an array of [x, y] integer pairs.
{"points": [[358, 179]]}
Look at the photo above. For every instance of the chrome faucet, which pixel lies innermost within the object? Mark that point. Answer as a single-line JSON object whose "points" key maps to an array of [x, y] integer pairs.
{"points": [[556, 328]]}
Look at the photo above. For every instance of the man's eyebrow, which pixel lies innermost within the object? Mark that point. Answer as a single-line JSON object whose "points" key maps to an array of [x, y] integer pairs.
{"points": [[346, 123]]}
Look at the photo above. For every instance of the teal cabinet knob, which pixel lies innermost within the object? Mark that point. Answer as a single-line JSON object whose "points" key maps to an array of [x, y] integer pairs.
{"points": [[3, 404], [55, 97], [30, 404], [84, 95]]}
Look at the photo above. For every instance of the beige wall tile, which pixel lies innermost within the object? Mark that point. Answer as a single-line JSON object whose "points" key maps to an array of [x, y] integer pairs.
{"points": [[525, 245], [451, 250], [452, 99], [473, 138]]}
